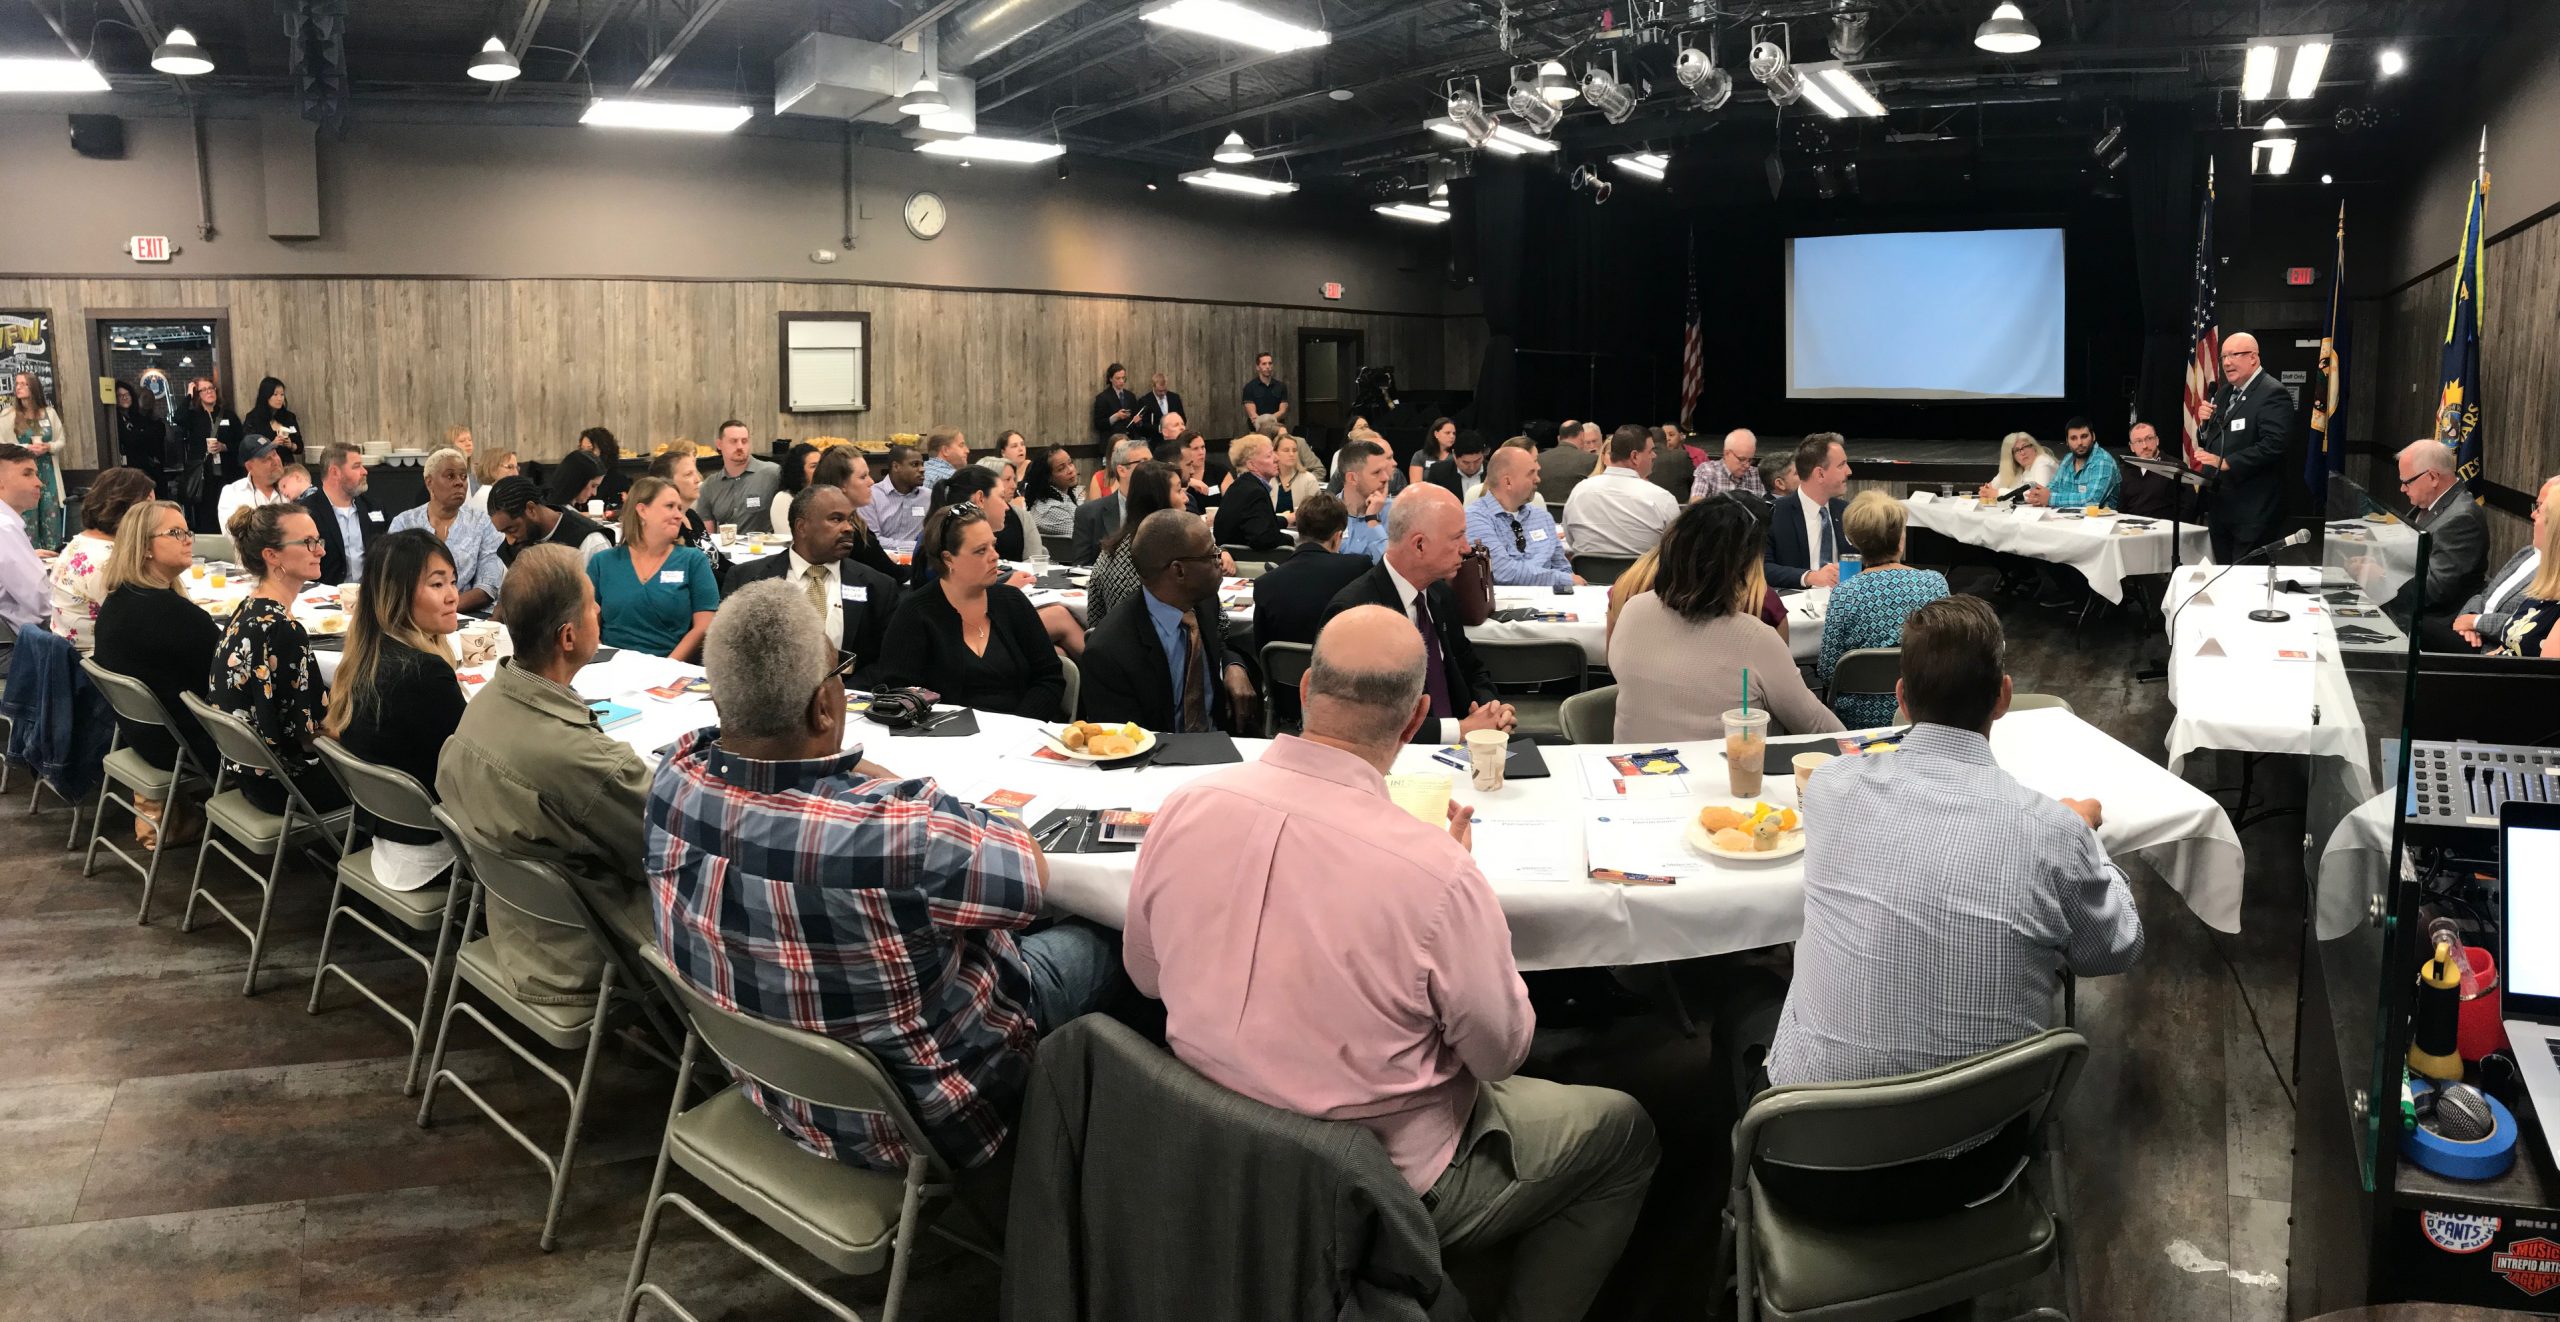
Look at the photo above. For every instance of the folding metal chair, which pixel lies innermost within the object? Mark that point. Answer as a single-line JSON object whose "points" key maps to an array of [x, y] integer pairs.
{"points": [[1789, 1267], [852, 1219], [1591, 716], [535, 892], [1864, 670], [1526, 668], [397, 798], [268, 835], [1075, 683], [1283, 665], [136, 705], [1602, 571]]}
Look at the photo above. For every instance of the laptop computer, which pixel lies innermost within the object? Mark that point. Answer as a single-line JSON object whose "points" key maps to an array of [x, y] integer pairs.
{"points": [[2529, 958]]}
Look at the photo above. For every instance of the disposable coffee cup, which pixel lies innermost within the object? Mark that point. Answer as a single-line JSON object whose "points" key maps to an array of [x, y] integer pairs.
{"points": [[595, 507], [1804, 765], [1487, 751], [1746, 743]]}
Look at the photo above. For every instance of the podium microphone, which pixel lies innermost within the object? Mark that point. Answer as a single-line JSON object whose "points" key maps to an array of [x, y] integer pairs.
{"points": [[2296, 538]]}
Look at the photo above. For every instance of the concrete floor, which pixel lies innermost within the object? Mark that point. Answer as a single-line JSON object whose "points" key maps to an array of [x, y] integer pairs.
{"points": [[174, 1150]]}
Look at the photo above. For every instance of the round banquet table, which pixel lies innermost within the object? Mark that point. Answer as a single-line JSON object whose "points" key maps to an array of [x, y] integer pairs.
{"points": [[1532, 833]]}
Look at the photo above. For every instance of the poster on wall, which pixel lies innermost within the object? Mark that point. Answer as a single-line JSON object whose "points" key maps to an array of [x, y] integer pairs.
{"points": [[26, 345]]}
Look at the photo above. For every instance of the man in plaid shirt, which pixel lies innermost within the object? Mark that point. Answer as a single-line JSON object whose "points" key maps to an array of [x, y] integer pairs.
{"points": [[1737, 469], [796, 883], [2088, 477]]}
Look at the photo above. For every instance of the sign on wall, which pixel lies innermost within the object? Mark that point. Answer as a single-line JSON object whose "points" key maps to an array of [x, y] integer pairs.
{"points": [[26, 345]]}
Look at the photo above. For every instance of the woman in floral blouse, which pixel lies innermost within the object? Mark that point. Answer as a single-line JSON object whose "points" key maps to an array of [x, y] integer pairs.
{"points": [[80, 573], [263, 671]]}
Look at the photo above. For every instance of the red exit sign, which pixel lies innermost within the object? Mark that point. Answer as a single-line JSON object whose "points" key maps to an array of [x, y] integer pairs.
{"points": [[1332, 289], [2299, 275]]}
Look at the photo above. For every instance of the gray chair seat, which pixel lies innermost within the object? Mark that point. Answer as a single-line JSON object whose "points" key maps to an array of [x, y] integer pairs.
{"points": [[257, 828], [845, 1216], [1809, 1266], [563, 1026], [133, 770], [417, 909]]}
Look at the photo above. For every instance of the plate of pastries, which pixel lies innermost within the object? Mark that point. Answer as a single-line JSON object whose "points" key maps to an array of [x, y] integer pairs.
{"points": [[1753, 831], [1096, 741]]}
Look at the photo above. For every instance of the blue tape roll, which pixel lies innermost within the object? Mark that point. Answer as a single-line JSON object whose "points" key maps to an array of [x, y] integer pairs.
{"points": [[2485, 1159]]}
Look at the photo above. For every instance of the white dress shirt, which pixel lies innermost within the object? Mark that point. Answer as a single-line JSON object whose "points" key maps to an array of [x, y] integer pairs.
{"points": [[1408, 594], [834, 579], [1617, 512], [1815, 512], [244, 494]]}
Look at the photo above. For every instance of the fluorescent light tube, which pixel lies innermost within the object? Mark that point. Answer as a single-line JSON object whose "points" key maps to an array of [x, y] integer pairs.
{"points": [[1231, 182], [59, 73], [1852, 91], [1512, 142], [2308, 59], [2258, 75], [1821, 98], [677, 116], [1408, 211], [1229, 21], [1643, 165], [1012, 151]]}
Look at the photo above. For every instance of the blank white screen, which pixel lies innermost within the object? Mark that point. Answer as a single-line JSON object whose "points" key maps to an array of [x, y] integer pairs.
{"points": [[2533, 911], [1949, 314]]}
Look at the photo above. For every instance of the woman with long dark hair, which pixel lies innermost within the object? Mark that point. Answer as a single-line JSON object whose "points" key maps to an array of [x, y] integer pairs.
{"points": [[799, 464], [30, 421], [1049, 492], [969, 635], [572, 482], [849, 470], [397, 698], [142, 435], [607, 452], [269, 417], [1685, 651], [1151, 486]]}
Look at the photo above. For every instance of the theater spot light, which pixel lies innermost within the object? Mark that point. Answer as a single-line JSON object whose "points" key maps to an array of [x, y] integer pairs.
{"points": [[2390, 62], [1555, 84], [1533, 108], [1696, 69], [1466, 110], [1603, 89], [1775, 67]]}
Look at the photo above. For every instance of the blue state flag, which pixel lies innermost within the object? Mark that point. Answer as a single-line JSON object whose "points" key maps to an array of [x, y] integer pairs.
{"points": [[2458, 397]]}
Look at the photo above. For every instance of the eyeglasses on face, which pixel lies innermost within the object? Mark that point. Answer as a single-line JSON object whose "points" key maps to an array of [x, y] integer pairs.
{"points": [[308, 543], [182, 534]]}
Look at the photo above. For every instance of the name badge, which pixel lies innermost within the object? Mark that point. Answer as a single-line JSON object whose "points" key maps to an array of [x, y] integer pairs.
{"points": [[754, 502], [857, 592], [671, 576], [375, 515], [2238, 423], [1538, 536]]}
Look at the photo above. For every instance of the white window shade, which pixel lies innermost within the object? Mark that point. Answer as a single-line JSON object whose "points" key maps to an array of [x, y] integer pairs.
{"points": [[826, 362]]}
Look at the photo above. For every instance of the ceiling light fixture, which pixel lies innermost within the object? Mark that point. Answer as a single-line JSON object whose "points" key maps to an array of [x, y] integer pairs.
{"points": [[676, 116], [2258, 73], [925, 98], [1512, 142], [1696, 69], [1440, 195], [2272, 153], [2267, 55], [1643, 164], [1228, 21], [1849, 35], [1233, 151], [2006, 32], [1229, 181], [1011, 151], [181, 56], [2327, 180], [492, 65], [1603, 89], [58, 73], [1555, 84], [1408, 211], [1774, 66], [1533, 108], [2309, 59], [2390, 62], [1836, 92]]}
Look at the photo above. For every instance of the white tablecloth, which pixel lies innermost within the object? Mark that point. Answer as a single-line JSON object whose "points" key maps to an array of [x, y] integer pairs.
{"points": [[1723, 907], [2103, 555], [2232, 689]]}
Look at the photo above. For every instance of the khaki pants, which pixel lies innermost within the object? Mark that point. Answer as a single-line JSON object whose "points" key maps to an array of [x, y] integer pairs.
{"points": [[1557, 1171]]}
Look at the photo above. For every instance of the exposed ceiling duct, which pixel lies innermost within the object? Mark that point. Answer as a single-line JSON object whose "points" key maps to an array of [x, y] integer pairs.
{"points": [[989, 26], [826, 76]]}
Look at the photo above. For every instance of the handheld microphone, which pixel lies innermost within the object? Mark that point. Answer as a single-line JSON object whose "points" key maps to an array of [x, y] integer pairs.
{"points": [[2296, 538]]}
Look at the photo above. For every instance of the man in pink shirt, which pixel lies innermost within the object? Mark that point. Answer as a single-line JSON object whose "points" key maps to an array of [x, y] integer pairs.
{"points": [[1319, 950]]}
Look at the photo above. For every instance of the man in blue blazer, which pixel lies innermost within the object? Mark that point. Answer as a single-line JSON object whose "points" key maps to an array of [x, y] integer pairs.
{"points": [[1804, 525]]}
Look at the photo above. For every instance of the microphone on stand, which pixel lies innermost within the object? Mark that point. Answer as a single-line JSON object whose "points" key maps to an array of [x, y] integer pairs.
{"points": [[2296, 538]]}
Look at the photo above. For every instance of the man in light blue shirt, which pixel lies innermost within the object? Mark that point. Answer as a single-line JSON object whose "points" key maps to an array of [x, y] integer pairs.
{"points": [[896, 511], [1510, 522], [1367, 470], [945, 450], [2087, 476]]}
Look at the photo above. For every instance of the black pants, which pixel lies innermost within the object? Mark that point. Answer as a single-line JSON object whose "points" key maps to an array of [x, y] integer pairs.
{"points": [[318, 787], [2230, 543], [1909, 1192]]}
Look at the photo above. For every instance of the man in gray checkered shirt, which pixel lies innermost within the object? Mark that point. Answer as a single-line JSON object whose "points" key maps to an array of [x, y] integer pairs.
{"points": [[1942, 900]]}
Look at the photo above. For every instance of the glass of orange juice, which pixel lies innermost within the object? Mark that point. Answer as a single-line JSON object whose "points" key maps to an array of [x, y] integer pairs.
{"points": [[219, 579]]}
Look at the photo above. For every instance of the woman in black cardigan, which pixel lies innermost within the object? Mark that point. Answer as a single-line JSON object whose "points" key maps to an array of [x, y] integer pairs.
{"points": [[967, 635], [397, 699], [147, 630]]}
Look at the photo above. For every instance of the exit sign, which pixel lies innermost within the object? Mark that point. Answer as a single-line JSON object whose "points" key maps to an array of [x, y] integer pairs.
{"points": [[1333, 289], [150, 247], [2299, 275]]}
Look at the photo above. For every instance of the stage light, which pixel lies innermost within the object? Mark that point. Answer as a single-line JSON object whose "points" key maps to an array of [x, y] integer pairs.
{"points": [[2272, 153], [1603, 90], [2327, 180], [1231, 182], [1696, 69], [1770, 64], [1011, 151], [59, 73], [1408, 211], [1849, 35], [1643, 165], [2006, 32], [2308, 59], [1152, 185], [1466, 110], [2390, 62], [925, 98], [1229, 21], [1837, 92], [1440, 195], [1555, 84], [180, 55], [1233, 151], [681, 117], [1534, 110]]}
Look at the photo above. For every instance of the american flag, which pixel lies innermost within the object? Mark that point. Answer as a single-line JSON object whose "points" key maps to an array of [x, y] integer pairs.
{"points": [[2204, 366], [1693, 349]]}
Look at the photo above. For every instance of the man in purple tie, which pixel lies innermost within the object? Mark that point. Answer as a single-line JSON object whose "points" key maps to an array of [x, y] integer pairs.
{"points": [[1426, 538]]}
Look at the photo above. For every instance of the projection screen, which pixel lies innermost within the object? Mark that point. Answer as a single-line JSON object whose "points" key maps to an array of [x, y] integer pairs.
{"points": [[1946, 314]]}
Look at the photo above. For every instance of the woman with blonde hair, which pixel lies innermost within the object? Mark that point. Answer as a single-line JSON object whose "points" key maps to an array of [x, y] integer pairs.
{"points": [[1868, 609], [487, 466], [149, 632], [79, 574], [654, 593], [2024, 462], [458, 437], [1299, 470], [397, 698], [2534, 622]]}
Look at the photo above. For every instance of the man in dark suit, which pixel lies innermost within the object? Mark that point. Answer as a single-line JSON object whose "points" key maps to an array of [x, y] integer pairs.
{"points": [[347, 518], [1160, 402], [1115, 409], [853, 601], [1675, 465], [1426, 538], [1167, 665], [1290, 602], [2458, 548], [1248, 515], [1096, 520], [1465, 464], [1804, 524], [2243, 452]]}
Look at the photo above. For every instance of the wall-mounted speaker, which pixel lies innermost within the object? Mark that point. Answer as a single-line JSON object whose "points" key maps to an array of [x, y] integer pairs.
{"points": [[98, 136]]}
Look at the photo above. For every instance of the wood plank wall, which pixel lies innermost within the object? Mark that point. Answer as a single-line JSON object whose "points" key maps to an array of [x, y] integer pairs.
{"points": [[531, 362], [2520, 367]]}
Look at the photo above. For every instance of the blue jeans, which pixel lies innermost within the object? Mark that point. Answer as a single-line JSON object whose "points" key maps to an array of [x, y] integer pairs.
{"points": [[1074, 967]]}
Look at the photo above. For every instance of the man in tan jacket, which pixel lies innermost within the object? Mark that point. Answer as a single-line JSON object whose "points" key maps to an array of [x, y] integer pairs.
{"points": [[530, 773]]}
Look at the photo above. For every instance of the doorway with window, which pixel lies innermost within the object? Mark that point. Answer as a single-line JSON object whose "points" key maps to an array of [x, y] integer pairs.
{"points": [[1328, 366], [152, 354]]}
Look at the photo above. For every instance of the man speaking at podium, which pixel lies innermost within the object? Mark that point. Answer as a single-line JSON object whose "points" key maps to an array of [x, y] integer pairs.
{"points": [[2242, 450]]}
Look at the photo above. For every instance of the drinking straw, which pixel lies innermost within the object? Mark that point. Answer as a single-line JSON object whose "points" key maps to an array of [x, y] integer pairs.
{"points": [[1746, 690]]}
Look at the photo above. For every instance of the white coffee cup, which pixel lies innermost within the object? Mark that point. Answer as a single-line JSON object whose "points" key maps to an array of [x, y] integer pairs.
{"points": [[1487, 751], [595, 507]]}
